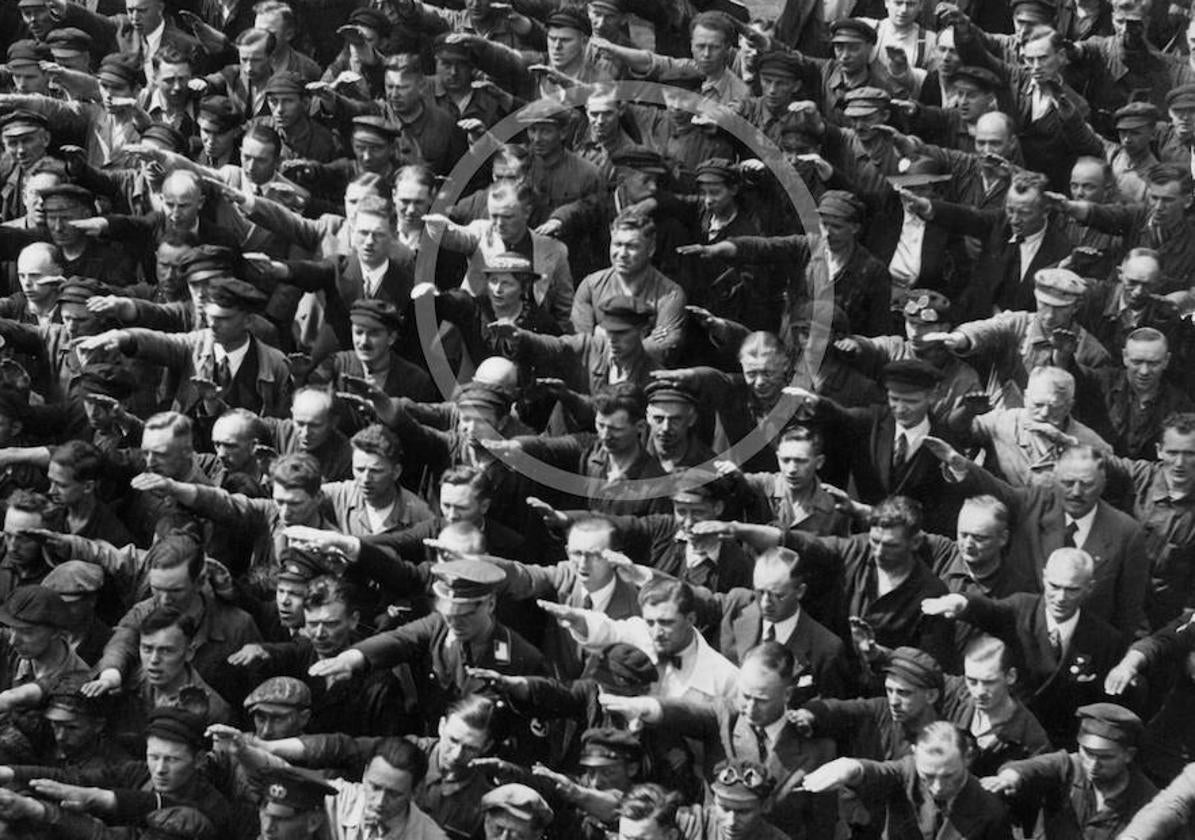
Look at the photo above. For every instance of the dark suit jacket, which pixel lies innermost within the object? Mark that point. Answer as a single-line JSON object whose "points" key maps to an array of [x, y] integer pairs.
{"points": [[116, 34]]}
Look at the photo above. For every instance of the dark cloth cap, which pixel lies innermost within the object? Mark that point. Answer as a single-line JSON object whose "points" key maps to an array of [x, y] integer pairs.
{"points": [[214, 259], [1182, 96], [69, 38], [920, 172], [220, 111], [621, 669], [571, 18], [852, 29], [21, 121], [718, 169], [603, 746], [865, 100], [300, 565], [623, 313], [280, 691], [74, 577], [1042, 7], [375, 312], [1108, 720], [446, 48], [177, 725], [914, 373], [1136, 115], [80, 290], [925, 306], [380, 126], [178, 822], [544, 111], [779, 61], [121, 68], [466, 580], [65, 698], [840, 204], [34, 605], [295, 788], [915, 666], [107, 380], [27, 52], [71, 191], [371, 18], [670, 390], [640, 158], [510, 263], [168, 135], [232, 293], [981, 77], [286, 81], [484, 396], [520, 801], [740, 780], [618, 7]]}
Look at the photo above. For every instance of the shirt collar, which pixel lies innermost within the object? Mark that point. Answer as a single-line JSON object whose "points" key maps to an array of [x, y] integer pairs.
{"points": [[784, 629], [235, 357], [601, 598], [154, 39], [1084, 522]]}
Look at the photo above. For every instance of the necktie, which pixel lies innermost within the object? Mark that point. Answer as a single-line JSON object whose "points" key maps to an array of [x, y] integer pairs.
{"points": [[1056, 642], [769, 634], [761, 740], [1072, 532], [901, 453], [587, 602], [223, 373]]}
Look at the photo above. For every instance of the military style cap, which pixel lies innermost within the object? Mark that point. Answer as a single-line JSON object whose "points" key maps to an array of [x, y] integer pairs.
{"points": [[65, 698], [519, 801], [981, 77], [779, 61], [741, 781], [371, 19], [68, 41], [300, 565], [1043, 9], [544, 111], [571, 19], [380, 127], [641, 159], [231, 293], [925, 306], [282, 693], [485, 396], [452, 50], [509, 263], [34, 606], [604, 746], [27, 53], [840, 204], [1136, 115], [621, 669], [72, 192], [19, 122], [178, 822], [1182, 96], [864, 101], [169, 136], [293, 790], [205, 261], [466, 580], [1058, 286], [286, 82], [851, 30], [219, 113], [670, 390], [717, 169], [915, 666], [177, 725], [374, 312], [74, 578], [121, 69], [1108, 720], [920, 172], [624, 313], [107, 380]]}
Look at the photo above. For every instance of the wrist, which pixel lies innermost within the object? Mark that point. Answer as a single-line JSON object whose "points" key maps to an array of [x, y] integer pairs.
{"points": [[111, 677]]}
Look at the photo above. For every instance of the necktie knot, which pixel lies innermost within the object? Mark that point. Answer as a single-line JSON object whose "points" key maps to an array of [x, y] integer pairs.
{"points": [[901, 452], [1072, 534], [769, 633]]}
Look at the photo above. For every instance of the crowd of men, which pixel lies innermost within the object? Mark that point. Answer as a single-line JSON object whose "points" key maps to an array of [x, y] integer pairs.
{"points": [[560, 419]]}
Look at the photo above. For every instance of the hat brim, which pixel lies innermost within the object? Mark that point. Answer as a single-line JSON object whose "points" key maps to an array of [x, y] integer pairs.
{"points": [[860, 110], [1052, 298], [1134, 122], [18, 129], [917, 179], [735, 794], [58, 712], [600, 761], [272, 706]]}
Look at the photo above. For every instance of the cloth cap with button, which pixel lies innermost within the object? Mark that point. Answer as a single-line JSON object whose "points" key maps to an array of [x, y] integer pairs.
{"points": [[621, 669], [911, 373], [605, 746], [72, 192], [176, 725], [480, 395], [1110, 721], [622, 312], [865, 101], [178, 822], [1182, 96], [286, 82], [1136, 115], [34, 606], [27, 53], [840, 204], [80, 290], [466, 581], [980, 77], [915, 667], [1043, 9], [717, 170], [121, 69], [543, 111], [370, 19], [570, 18], [169, 136], [741, 781], [219, 113], [925, 306], [231, 293], [293, 790], [301, 565], [379, 127], [107, 380], [509, 263], [373, 312], [641, 159], [205, 261], [921, 172], [66, 700], [519, 801], [1058, 286], [20, 121], [450, 49], [851, 31], [779, 61], [74, 579], [671, 390], [68, 40], [280, 694]]}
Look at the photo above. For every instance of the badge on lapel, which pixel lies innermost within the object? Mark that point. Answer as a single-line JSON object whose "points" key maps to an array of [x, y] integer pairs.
{"points": [[1081, 668]]}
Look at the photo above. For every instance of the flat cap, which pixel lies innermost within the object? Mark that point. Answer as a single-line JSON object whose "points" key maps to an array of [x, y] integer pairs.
{"points": [[624, 313], [779, 61], [481, 395], [509, 263], [29, 4], [1182, 96], [232, 293], [27, 53], [374, 312], [616, 7], [671, 390], [68, 40], [284, 692], [544, 111], [204, 261], [378, 126], [852, 30], [1058, 286], [293, 790], [640, 158], [71, 192], [621, 669], [178, 822], [920, 172], [220, 113], [1136, 115], [840, 204], [370, 18], [65, 698], [450, 49], [864, 101], [80, 290], [717, 169], [1111, 721], [911, 373], [980, 77], [570, 18], [519, 801], [74, 578], [466, 580], [121, 69], [177, 725], [1043, 8], [170, 137], [925, 306], [605, 745], [286, 82], [34, 606], [741, 781], [107, 380], [704, 484], [21, 121], [916, 667]]}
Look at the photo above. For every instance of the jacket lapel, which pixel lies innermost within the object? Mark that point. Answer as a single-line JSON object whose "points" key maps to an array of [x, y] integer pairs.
{"points": [[747, 629]]}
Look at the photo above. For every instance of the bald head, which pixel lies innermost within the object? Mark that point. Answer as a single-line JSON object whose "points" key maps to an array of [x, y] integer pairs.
{"points": [[498, 372]]}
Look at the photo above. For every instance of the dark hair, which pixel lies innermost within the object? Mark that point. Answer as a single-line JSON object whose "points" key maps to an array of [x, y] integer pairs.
{"points": [[650, 802], [178, 547], [254, 37], [504, 190], [775, 657], [661, 590], [716, 21], [264, 134], [471, 476], [1167, 173], [83, 459], [419, 174], [474, 710], [162, 618], [633, 220], [983, 648], [325, 590], [623, 396], [170, 54], [897, 512], [377, 205], [1182, 422], [401, 754], [297, 471], [803, 434], [378, 440]]}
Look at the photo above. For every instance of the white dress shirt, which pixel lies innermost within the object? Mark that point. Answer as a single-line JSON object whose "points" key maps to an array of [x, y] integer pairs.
{"points": [[784, 629], [915, 435], [906, 262], [601, 598], [372, 278], [1084, 522], [153, 42], [1029, 248], [1065, 630], [1041, 102], [235, 357]]}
